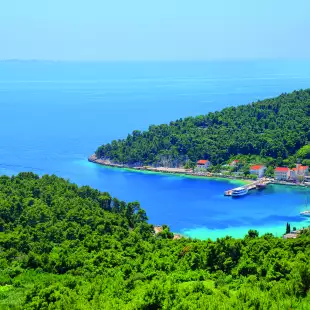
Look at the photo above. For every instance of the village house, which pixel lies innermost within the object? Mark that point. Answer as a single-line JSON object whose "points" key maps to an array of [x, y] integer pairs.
{"points": [[234, 163], [158, 229], [282, 173], [299, 171], [293, 234], [258, 170], [203, 164]]}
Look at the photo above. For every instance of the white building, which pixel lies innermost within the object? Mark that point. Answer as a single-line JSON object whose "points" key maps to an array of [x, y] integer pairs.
{"points": [[299, 171], [258, 170], [234, 163], [282, 173], [203, 163]]}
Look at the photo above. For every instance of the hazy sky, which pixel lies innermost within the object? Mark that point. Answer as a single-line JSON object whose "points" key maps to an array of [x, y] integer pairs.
{"points": [[154, 30]]}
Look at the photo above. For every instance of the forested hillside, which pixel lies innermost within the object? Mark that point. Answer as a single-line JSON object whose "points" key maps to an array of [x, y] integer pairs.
{"points": [[275, 128], [69, 247]]}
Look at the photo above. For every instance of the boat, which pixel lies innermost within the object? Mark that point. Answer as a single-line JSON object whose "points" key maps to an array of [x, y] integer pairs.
{"points": [[239, 191], [261, 185], [305, 213]]}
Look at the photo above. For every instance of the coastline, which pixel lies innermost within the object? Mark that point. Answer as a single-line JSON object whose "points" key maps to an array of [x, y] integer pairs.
{"points": [[163, 170], [202, 232], [184, 172]]}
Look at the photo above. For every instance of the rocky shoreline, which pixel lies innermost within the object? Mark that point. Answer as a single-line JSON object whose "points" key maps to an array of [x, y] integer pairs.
{"points": [[183, 171]]}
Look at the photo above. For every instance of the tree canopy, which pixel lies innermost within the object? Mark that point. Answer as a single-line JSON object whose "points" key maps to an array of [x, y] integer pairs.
{"points": [[69, 247], [304, 152], [275, 128]]}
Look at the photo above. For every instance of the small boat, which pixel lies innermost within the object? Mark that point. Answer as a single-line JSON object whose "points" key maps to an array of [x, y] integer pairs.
{"points": [[305, 213], [239, 191], [261, 185], [227, 193]]}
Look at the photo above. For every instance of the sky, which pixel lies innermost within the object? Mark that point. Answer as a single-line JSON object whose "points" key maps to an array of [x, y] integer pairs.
{"points": [[160, 30]]}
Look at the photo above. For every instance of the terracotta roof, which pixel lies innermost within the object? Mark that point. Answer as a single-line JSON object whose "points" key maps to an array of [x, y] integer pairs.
{"points": [[202, 161], [281, 169], [256, 167], [301, 168]]}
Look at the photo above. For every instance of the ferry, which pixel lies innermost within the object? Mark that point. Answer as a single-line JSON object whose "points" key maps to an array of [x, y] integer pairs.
{"points": [[239, 191]]}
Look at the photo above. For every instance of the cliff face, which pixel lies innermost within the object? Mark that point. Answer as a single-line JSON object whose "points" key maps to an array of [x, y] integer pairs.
{"points": [[107, 162], [93, 158]]}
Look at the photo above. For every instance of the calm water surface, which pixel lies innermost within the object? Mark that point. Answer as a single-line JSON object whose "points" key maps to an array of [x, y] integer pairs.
{"points": [[54, 115]]}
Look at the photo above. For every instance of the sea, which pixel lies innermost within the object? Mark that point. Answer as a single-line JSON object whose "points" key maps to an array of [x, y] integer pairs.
{"points": [[55, 114]]}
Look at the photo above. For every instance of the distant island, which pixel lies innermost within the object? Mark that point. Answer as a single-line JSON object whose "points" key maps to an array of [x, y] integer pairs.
{"points": [[272, 134]]}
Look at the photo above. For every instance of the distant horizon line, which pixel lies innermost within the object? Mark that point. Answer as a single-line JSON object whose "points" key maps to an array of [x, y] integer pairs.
{"points": [[152, 60]]}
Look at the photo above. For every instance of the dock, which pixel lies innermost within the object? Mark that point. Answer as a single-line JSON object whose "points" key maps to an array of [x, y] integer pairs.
{"points": [[251, 186]]}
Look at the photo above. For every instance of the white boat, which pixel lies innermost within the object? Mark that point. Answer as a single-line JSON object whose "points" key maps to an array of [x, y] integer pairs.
{"points": [[305, 213], [239, 191]]}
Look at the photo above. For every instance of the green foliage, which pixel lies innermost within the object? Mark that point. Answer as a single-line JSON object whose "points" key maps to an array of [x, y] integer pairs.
{"points": [[69, 247], [269, 172], [252, 176], [304, 152], [275, 128], [189, 165]]}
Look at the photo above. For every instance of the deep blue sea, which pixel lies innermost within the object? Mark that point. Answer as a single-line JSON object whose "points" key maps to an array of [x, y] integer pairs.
{"points": [[54, 115]]}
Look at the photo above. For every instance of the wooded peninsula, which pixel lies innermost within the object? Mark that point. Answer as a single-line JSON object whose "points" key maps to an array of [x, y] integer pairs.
{"points": [[272, 131]]}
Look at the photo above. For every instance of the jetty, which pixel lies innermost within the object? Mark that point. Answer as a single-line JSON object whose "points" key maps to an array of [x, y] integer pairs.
{"points": [[259, 184]]}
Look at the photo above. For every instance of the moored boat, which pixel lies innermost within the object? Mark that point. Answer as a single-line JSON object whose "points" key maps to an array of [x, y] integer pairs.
{"points": [[261, 186], [239, 191]]}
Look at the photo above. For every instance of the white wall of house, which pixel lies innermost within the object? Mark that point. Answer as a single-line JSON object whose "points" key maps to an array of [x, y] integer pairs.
{"points": [[204, 166], [259, 172], [281, 175], [298, 172]]}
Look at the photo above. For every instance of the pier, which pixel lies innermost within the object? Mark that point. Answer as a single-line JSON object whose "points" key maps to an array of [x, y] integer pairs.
{"points": [[259, 184]]}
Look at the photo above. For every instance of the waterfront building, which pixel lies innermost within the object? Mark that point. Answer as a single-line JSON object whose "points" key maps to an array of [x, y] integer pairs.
{"points": [[282, 173], [203, 163], [258, 170], [299, 171]]}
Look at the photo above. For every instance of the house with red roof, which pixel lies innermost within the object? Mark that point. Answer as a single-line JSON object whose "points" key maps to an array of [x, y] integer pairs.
{"points": [[203, 163], [258, 170], [299, 171], [234, 163], [282, 173]]}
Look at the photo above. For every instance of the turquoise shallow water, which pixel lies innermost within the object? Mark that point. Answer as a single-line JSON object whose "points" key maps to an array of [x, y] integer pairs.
{"points": [[54, 115]]}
